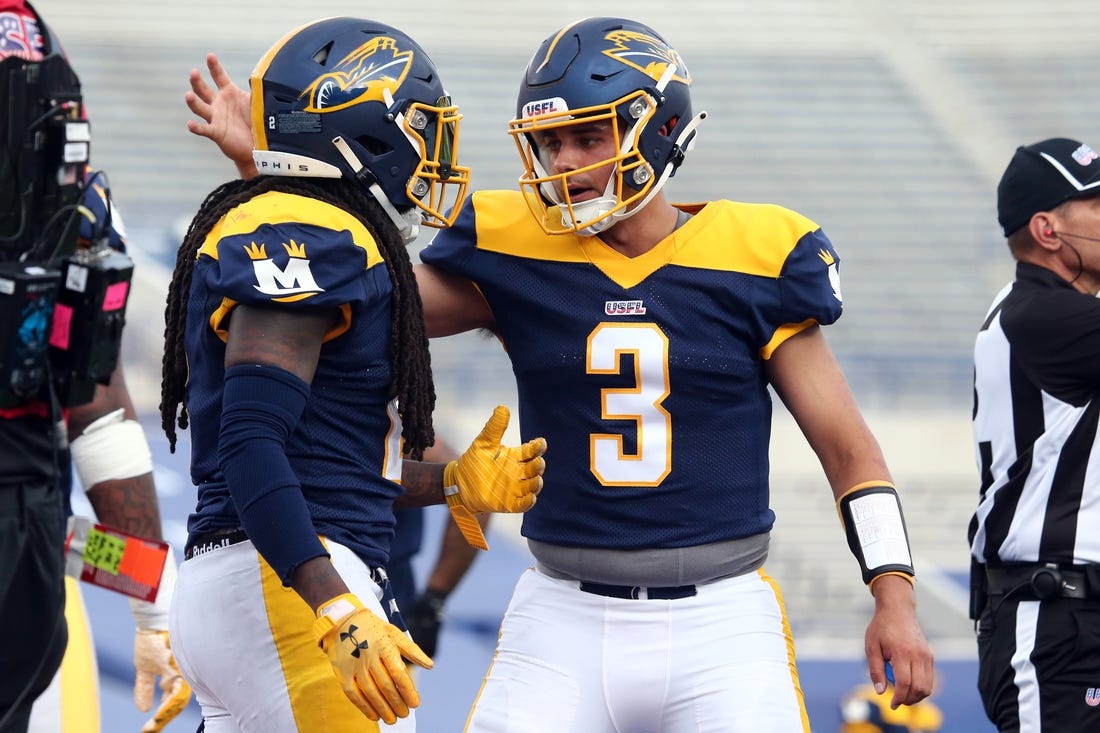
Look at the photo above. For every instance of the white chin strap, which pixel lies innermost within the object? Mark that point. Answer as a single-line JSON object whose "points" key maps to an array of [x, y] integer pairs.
{"points": [[685, 141], [588, 210], [407, 223]]}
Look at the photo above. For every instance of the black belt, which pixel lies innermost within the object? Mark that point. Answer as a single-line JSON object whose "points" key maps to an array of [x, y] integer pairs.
{"points": [[1042, 581], [215, 540], [640, 592]]}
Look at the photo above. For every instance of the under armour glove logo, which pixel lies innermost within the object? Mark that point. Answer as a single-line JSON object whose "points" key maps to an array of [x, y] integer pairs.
{"points": [[357, 646], [373, 672]]}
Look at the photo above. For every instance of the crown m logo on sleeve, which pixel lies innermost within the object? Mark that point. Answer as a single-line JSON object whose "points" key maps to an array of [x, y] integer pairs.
{"points": [[294, 281]]}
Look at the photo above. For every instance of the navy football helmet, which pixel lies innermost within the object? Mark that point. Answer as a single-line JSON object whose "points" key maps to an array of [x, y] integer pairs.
{"points": [[600, 69], [360, 99]]}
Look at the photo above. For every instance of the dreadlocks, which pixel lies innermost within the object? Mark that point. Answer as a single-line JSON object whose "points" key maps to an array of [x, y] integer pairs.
{"points": [[409, 354]]}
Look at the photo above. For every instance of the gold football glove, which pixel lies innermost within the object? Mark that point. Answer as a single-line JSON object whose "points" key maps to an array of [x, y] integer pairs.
{"points": [[490, 477], [366, 655], [153, 658]]}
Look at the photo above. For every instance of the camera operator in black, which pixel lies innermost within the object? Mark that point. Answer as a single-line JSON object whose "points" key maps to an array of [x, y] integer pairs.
{"points": [[33, 455], [1035, 538], [54, 412]]}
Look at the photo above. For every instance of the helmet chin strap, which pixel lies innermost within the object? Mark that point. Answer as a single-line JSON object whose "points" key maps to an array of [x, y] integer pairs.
{"points": [[408, 224], [597, 208], [685, 141]]}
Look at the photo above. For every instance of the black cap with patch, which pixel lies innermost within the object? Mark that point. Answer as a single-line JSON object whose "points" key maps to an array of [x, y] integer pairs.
{"points": [[1043, 175]]}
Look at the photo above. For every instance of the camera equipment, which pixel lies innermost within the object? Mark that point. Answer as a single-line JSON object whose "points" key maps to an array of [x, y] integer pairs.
{"points": [[88, 317], [44, 145], [27, 295]]}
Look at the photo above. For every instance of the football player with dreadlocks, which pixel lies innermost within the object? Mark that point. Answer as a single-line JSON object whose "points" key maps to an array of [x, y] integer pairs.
{"points": [[644, 337], [295, 345]]}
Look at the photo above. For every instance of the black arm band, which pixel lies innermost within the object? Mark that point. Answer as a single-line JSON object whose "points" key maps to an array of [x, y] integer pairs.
{"points": [[875, 527]]}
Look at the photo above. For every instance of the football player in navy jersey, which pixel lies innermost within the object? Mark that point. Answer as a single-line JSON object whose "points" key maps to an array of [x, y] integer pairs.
{"points": [[295, 344], [644, 336]]}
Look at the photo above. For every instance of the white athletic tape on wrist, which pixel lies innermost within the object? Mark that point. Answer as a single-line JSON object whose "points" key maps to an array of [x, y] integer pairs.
{"points": [[154, 616], [111, 448], [873, 522], [338, 607], [332, 612]]}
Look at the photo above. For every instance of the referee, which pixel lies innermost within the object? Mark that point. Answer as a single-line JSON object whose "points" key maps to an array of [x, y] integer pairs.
{"points": [[1035, 538]]}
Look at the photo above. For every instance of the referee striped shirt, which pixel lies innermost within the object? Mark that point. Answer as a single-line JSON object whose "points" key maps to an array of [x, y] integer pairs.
{"points": [[1036, 408]]}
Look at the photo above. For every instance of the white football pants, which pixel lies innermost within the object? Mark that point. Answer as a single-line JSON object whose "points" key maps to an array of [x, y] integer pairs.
{"points": [[245, 643], [568, 661]]}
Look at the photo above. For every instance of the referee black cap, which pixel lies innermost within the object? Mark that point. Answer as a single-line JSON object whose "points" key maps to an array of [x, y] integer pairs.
{"points": [[1043, 175]]}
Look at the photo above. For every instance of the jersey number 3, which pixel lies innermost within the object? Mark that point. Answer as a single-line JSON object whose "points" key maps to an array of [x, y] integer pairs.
{"points": [[641, 403]]}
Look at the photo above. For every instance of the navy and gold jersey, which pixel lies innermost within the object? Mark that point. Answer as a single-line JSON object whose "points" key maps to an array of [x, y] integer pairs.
{"points": [[645, 375], [281, 250]]}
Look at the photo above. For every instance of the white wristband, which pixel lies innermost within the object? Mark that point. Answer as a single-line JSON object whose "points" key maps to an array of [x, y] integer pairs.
{"points": [[154, 616], [111, 448]]}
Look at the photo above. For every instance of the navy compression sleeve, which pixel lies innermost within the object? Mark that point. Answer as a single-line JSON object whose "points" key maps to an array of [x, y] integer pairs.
{"points": [[260, 407]]}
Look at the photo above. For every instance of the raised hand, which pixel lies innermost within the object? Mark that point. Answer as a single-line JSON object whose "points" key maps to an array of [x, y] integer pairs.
{"points": [[225, 114]]}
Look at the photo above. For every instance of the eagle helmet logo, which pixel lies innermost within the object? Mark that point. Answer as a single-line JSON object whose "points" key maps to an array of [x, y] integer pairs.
{"points": [[365, 74], [646, 53]]}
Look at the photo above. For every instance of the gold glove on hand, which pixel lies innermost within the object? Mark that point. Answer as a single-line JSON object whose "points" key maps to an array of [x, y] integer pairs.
{"points": [[153, 658], [490, 477], [366, 655]]}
